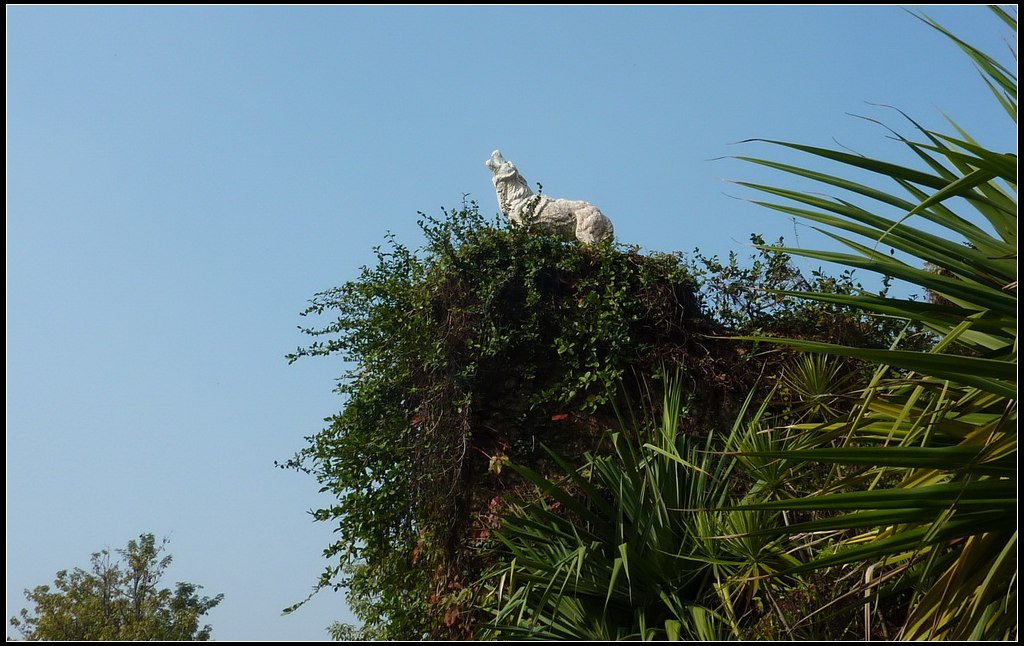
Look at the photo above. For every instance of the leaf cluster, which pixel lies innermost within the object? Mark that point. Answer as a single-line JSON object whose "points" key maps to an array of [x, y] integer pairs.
{"points": [[465, 354], [117, 599]]}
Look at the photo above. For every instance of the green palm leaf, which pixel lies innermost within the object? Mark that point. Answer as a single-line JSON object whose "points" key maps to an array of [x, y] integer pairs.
{"points": [[928, 453]]}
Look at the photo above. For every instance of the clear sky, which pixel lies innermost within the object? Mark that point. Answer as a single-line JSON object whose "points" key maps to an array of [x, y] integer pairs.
{"points": [[181, 179]]}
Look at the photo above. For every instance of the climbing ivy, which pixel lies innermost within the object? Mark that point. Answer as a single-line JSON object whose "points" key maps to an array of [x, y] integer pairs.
{"points": [[464, 354]]}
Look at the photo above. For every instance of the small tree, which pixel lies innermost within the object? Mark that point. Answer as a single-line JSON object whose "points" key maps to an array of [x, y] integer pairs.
{"points": [[118, 600]]}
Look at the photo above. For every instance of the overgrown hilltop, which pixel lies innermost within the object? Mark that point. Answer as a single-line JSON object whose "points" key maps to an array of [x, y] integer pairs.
{"points": [[487, 344]]}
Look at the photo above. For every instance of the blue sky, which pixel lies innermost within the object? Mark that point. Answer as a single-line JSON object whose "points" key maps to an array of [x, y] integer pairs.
{"points": [[180, 180]]}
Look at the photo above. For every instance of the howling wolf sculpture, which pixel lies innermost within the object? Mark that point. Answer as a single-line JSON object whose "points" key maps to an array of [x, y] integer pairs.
{"points": [[567, 218]]}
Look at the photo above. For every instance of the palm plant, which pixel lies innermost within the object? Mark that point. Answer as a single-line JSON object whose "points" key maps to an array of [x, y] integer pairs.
{"points": [[926, 500], [818, 382], [628, 545]]}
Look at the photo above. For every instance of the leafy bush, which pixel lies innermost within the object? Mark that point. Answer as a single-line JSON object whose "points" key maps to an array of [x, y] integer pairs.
{"points": [[117, 599], [466, 355]]}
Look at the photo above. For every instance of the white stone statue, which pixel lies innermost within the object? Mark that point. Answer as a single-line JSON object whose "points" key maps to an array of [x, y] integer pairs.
{"points": [[567, 218]]}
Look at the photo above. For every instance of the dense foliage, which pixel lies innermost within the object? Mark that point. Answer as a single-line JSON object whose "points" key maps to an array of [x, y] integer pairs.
{"points": [[467, 354], [119, 599]]}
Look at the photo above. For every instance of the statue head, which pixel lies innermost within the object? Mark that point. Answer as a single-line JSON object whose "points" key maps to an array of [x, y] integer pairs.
{"points": [[499, 165]]}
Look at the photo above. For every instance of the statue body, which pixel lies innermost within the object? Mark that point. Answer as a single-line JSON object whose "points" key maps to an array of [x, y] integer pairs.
{"points": [[567, 218]]}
